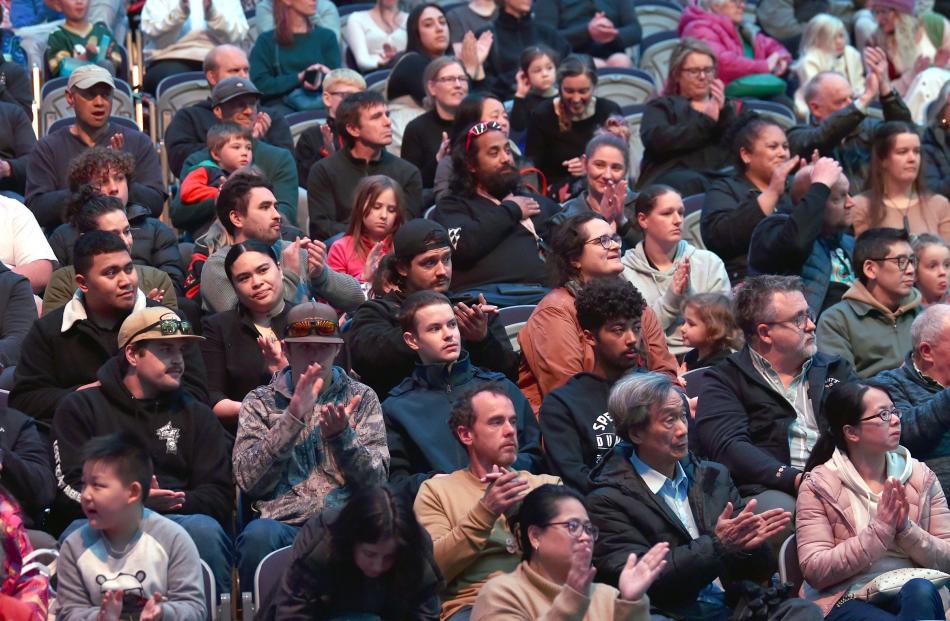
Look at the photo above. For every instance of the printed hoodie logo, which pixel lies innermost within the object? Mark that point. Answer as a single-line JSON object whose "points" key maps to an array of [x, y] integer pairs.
{"points": [[454, 235], [603, 428], [170, 435]]}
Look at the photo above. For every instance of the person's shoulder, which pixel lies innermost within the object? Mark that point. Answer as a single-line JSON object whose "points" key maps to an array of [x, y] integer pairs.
{"points": [[162, 529]]}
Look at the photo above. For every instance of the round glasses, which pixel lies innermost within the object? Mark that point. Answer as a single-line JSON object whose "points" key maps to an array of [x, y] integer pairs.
{"points": [[574, 528], [885, 414], [605, 241]]}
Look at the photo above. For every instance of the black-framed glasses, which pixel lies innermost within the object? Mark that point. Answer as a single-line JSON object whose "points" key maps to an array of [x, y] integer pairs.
{"points": [[885, 414], [452, 79], [478, 129], [605, 241], [695, 72], [799, 321], [574, 528], [902, 261]]}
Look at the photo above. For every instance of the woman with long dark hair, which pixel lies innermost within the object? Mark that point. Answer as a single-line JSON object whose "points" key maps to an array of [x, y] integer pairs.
{"points": [[368, 558], [866, 508]]}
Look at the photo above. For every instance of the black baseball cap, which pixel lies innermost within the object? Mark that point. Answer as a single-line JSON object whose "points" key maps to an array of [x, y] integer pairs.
{"points": [[418, 236], [229, 88]]}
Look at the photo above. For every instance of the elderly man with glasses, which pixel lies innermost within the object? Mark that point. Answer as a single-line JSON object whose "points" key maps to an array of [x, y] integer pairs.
{"points": [[759, 411]]}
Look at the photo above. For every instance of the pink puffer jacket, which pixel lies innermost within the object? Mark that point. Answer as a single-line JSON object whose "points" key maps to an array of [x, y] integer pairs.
{"points": [[723, 37], [831, 553]]}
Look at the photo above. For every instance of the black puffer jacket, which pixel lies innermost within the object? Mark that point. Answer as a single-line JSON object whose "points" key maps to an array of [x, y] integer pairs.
{"points": [[937, 160], [631, 518]]}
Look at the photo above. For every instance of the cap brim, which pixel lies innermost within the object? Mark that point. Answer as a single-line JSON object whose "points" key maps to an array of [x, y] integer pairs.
{"points": [[235, 96], [152, 337], [85, 83]]}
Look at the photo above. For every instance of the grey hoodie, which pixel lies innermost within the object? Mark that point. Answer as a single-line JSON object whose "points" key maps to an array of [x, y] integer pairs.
{"points": [[707, 274]]}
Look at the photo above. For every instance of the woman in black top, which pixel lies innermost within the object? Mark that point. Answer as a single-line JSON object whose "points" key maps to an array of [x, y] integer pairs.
{"points": [[559, 129]]}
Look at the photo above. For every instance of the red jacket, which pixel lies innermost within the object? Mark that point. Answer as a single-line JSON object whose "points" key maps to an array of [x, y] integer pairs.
{"points": [[723, 37]]}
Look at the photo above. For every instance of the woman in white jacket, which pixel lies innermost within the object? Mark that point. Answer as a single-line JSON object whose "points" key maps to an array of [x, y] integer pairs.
{"points": [[665, 268]]}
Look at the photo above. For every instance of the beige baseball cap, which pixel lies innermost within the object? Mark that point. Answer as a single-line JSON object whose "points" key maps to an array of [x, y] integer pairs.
{"points": [[88, 76], [154, 322]]}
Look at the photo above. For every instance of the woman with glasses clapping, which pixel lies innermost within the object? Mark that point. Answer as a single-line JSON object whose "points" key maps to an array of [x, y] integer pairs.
{"points": [[867, 508]]}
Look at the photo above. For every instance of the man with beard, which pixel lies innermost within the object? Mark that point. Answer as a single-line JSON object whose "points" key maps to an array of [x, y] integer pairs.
{"points": [[496, 228]]}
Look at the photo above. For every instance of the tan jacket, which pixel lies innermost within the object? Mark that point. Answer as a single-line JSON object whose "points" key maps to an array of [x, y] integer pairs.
{"points": [[554, 349], [525, 594]]}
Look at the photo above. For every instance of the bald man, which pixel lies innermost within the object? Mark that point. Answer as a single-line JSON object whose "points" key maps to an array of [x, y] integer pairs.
{"points": [[188, 131], [812, 240]]}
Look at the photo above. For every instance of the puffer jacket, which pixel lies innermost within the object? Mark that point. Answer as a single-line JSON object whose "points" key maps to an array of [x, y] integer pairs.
{"points": [[707, 274], [937, 160], [830, 546], [724, 39]]}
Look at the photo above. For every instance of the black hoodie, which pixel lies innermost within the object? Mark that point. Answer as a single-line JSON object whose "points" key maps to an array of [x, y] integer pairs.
{"points": [[189, 448]]}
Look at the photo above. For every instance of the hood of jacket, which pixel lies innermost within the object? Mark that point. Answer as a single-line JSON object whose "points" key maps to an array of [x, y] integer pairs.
{"points": [[113, 388], [444, 376], [137, 213], [636, 259], [857, 292]]}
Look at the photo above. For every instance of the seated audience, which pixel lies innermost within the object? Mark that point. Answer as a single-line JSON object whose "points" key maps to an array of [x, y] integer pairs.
{"points": [[560, 128], [65, 348], [683, 130], [935, 146], [537, 82], [735, 205], [108, 172], [23, 247], [606, 163], [895, 195], [17, 314], [16, 144], [498, 229], [838, 123], [363, 121], [235, 100], [95, 212], [558, 579], [176, 41], [745, 56], [421, 261], [248, 210], [376, 36], [371, 558], [604, 30], [427, 31], [917, 388], [825, 48], [192, 480], [417, 410], [472, 16], [230, 148], [761, 411], [917, 45], [378, 211], [307, 440], [870, 327], [933, 267], [574, 418], [664, 267], [79, 41], [709, 327], [326, 138], [89, 94], [467, 513], [240, 347], [714, 537], [288, 63], [515, 29], [812, 239], [127, 560], [425, 140], [553, 345], [866, 509], [188, 130]]}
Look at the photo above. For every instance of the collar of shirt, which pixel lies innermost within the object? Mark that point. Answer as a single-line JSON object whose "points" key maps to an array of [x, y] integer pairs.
{"points": [[764, 367], [658, 483]]}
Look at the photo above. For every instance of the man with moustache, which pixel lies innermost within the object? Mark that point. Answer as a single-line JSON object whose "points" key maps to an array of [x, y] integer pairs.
{"points": [[497, 229]]}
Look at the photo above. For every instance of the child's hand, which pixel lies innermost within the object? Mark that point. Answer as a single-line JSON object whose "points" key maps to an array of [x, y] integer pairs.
{"points": [[91, 51], [372, 260], [153, 608], [117, 141], [110, 608], [524, 87]]}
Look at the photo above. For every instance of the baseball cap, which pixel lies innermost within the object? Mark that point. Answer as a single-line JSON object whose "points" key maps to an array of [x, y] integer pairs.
{"points": [[88, 76], [312, 322], [229, 88], [418, 236], [152, 323]]}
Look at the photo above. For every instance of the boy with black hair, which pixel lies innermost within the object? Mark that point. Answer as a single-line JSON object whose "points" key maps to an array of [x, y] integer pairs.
{"points": [[870, 326], [574, 416], [128, 559]]}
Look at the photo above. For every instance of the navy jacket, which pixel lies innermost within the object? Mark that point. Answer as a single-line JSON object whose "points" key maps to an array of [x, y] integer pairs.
{"points": [[742, 422], [417, 416], [27, 472]]}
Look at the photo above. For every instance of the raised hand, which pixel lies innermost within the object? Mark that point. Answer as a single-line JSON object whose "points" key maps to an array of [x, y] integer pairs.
{"points": [[581, 573], [326, 132], [335, 417], [372, 260], [156, 294], [153, 608], [309, 385], [445, 147], [636, 577], [163, 500], [611, 204], [117, 141], [575, 166], [505, 488], [473, 320], [483, 45], [781, 173], [110, 607], [261, 125], [388, 53], [316, 256], [524, 87], [770, 523], [733, 531], [290, 255], [826, 171], [273, 352], [680, 282]]}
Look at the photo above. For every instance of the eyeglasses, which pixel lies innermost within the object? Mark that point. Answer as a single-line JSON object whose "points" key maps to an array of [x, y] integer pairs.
{"points": [[575, 526], [167, 327], [452, 79], [312, 327], [885, 414], [799, 321], [902, 261], [605, 241], [695, 72], [340, 93], [478, 129]]}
